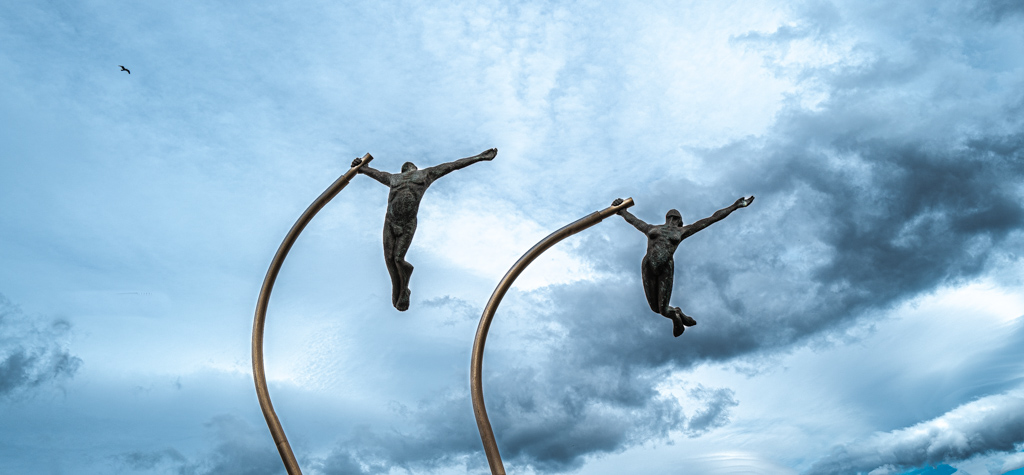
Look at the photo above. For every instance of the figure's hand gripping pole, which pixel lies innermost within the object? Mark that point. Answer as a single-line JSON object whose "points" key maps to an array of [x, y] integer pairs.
{"points": [[258, 373], [476, 365]]}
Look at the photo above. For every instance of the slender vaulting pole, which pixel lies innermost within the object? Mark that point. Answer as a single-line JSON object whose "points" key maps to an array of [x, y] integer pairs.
{"points": [[476, 366], [258, 373]]}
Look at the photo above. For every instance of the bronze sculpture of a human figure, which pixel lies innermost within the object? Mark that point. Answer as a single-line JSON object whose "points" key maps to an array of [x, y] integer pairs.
{"points": [[658, 268], [407, 190]]}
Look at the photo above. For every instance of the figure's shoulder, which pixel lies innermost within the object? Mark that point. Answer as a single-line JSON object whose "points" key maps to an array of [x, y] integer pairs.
{"points": [[421, 175]]}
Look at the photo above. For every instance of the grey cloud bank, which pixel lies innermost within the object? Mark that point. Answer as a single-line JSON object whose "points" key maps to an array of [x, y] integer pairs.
{"points": [[890, 187], [883, 142]]}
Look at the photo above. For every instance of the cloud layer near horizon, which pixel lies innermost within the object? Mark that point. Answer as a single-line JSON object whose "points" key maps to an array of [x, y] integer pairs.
{"points": [[990, 424]]}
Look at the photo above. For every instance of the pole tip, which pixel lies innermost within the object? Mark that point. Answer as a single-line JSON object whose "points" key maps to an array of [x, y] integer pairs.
{"points": [[626, 203]]}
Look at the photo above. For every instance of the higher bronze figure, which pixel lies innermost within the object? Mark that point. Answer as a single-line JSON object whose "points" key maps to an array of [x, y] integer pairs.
{"points": [[658, 268], [407, 190]]}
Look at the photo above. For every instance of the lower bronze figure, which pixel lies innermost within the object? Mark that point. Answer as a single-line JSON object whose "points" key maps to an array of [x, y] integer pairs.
{"points": [[657, 268], [407, 190]]}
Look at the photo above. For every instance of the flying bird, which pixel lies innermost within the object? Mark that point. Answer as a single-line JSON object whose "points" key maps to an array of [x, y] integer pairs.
{"points": [[124, 69]]}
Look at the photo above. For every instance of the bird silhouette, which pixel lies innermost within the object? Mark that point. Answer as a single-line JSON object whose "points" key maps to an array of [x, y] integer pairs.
{"points": [[124, 69]]}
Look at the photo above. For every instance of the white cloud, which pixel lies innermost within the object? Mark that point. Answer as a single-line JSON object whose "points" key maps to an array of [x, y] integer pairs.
{"points": [[180, 180], [487, 238], [990, 424]]}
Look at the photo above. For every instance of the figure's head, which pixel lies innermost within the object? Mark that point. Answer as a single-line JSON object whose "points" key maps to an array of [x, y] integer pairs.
{"points": [[408, 167], [674, 218]]}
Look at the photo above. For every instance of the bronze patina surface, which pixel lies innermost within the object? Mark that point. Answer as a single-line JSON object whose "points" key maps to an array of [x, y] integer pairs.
{"points": [[407, 190], [657, 268]]}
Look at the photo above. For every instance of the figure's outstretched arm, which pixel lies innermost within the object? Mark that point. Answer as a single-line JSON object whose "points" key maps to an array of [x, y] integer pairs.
{"points": [[635, 221], [443, 169], [383, 177], [718, 216]]}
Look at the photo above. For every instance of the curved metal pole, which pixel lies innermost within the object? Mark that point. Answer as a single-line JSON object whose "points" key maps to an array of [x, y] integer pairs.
{"points": [[475, 378], [261, 315]]}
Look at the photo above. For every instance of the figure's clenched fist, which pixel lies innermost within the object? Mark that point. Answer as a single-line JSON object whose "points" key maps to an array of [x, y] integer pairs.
{"points": [[489, 154]]}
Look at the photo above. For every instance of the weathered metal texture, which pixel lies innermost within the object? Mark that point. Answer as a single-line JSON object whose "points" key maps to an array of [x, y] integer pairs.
{"points": [[407, 189], [476, 366], [658, 268], [258, 373]]}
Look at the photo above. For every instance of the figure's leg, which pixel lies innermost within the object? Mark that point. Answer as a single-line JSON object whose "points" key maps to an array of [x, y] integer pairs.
{"points": [[658, 290], [679, 319], [664, 289], [389, 261], [648, 275], [404, 268], [664, 293], [684, 318]]}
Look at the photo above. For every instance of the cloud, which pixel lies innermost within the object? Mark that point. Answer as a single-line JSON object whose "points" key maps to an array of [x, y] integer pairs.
{"points": [[884, 149], [140, 460], [901, 177], [990, 424], [541, 425], [998, 10], [32, 354], [240, 449], [714, 414]]}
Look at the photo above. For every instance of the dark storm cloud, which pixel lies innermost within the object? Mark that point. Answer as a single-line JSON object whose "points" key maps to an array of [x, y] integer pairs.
{"points": [[716, 412], [906, 177], [31, 353], [549, 426]]}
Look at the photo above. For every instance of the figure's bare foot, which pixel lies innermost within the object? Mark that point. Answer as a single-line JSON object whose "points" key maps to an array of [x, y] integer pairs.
{"points": [[680, 320], [687, 320], [489, 154], [403, 300], [677, 325]]}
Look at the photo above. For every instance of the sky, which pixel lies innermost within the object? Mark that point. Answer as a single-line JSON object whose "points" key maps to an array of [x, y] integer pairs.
{"points": [[862, 316]]}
